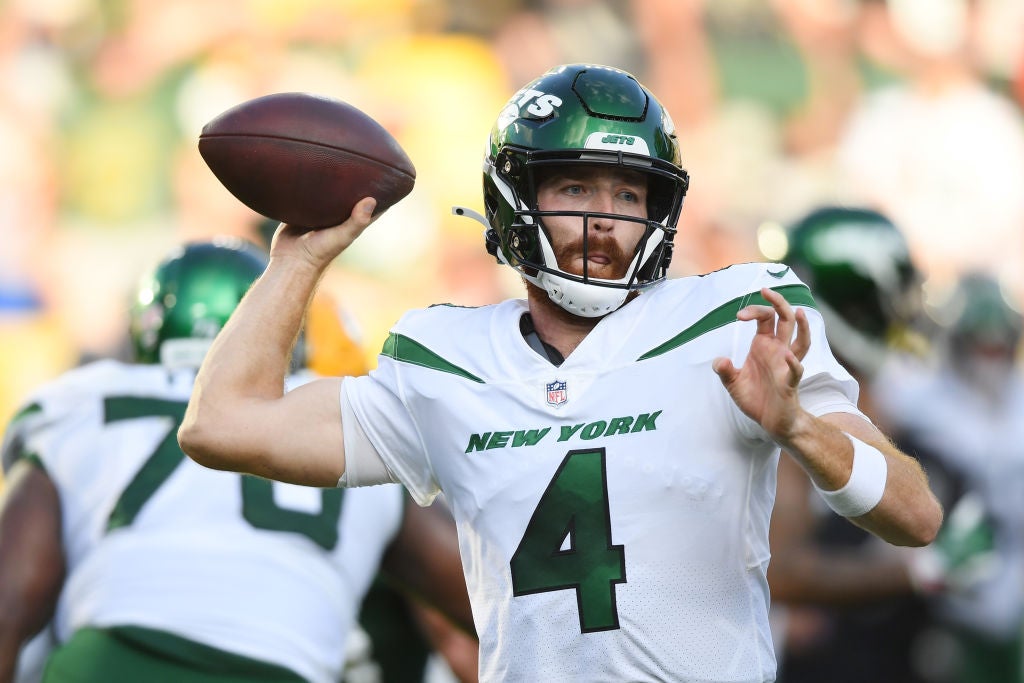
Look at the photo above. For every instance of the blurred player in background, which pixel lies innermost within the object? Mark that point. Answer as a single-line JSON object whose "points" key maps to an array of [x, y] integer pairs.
{"points": [[853, 610], [967, 413], [153, 568], [849, 610]]}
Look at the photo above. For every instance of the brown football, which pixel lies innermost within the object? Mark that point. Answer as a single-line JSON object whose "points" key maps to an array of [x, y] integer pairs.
{"points": [[304, 159]]}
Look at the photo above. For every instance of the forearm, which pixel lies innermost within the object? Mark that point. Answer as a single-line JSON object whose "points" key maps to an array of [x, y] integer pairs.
{"points": [[907, 514], [247, 364], [8, 656], [239, 416], [250, 356], [14, 634], [823, 576], [32, 564]]}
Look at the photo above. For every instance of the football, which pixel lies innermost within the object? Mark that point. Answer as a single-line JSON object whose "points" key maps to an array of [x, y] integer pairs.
{"points": [[304, 159]]}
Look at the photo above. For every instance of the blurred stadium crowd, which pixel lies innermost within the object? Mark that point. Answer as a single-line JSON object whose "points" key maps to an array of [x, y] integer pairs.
{"points": [[912, 107], [780, 105]]}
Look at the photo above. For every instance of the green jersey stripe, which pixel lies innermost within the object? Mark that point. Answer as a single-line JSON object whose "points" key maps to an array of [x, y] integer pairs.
{"points": [[406, 350], [30, 409], [797, 295]]}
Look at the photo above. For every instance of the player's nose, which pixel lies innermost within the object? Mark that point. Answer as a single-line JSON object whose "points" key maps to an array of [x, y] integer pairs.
{"points": [[603, 202]]}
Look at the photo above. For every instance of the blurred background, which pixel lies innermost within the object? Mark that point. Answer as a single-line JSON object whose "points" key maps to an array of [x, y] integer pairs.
{"points": [[913, 106]]}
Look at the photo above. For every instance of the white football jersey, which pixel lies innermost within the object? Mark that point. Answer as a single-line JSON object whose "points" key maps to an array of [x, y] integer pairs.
{"points": [[262, 569], [613, 512], [984, 445]]}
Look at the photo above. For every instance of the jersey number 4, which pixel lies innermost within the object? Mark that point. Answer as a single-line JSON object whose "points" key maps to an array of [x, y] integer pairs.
{"points": [[567, 544], [258, 506]]}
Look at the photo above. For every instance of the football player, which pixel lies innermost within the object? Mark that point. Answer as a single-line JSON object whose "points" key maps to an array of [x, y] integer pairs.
{"points": [[152, 567], [609, 443], [864, 605], [965, 412]]}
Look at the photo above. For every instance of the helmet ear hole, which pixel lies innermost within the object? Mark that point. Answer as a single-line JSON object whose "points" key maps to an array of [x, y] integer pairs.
{"points": [[523, 244], [490, 202]]}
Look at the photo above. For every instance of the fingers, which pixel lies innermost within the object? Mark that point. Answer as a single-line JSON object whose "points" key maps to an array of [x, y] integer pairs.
{"points": [[362, 212], [320, 246], [802, 344], [724, 368], [787, 318], [764, 315], [796, 369], [362, 216], [780, 319], [359, 220]]}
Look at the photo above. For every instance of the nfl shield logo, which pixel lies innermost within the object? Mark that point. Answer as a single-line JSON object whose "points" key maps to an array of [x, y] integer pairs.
{"points": [[557, 394]]}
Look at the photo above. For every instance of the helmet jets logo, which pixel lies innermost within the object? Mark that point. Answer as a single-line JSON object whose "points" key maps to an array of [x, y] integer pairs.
{"points": [[618, 139], [614, 142], [542, 106], [531, 104]]}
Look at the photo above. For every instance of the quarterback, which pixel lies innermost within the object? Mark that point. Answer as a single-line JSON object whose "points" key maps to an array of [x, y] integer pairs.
{"points": [[608, 444]]}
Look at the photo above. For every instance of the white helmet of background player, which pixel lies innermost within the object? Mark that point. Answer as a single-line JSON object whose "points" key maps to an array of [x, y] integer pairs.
{"points": [[591, 115]]}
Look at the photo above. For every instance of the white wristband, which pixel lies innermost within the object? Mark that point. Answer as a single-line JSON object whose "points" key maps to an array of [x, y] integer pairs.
{"points": [[864, 490]]}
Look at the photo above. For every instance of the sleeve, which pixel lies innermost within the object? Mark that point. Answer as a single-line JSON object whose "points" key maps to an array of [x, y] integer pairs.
{"points": [[18, 437], [826, 386], [363, 464], [381, 409]]}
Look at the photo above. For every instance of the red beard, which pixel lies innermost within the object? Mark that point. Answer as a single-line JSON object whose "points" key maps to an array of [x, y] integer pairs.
{"points": [[570, 257]]}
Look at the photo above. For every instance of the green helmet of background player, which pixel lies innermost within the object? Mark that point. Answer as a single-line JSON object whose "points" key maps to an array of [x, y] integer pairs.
{"points": [[858, 266], [189, 296], [983, 336], [581, 114], [983, 315]]}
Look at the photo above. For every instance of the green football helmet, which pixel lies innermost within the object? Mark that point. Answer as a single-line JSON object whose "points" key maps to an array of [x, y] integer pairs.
{"points": [[983, 315], [581, 114], [182, 305], [858, 265]]}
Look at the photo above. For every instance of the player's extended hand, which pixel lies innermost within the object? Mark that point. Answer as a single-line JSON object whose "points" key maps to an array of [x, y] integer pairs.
{"points": [[318, 248], [765, 387]]}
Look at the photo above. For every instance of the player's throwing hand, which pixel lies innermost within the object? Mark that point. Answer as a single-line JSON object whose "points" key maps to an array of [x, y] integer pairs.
{"points": [[320, 247]]}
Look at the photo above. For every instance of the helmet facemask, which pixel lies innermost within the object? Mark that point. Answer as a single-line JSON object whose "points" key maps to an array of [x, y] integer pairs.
{"points": [[527, 246]]}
